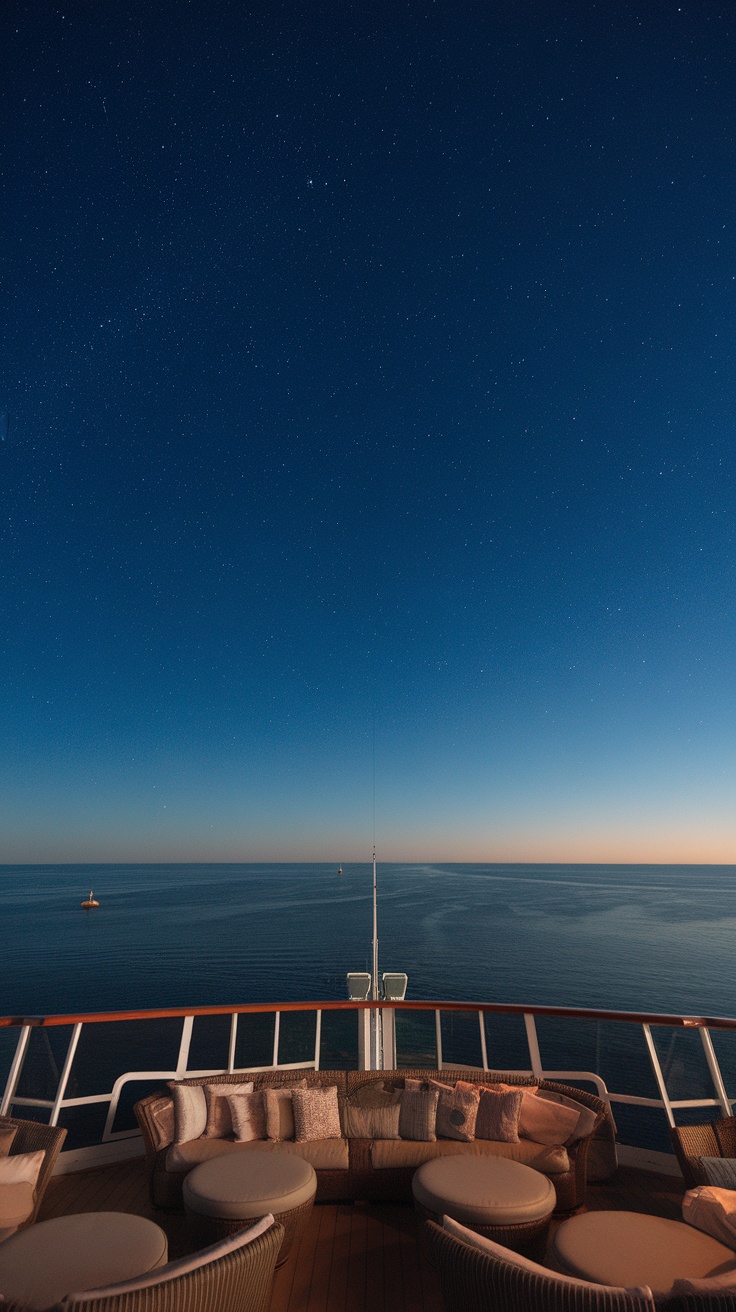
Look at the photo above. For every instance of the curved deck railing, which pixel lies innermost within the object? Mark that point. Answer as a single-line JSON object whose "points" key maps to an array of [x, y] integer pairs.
{"points": [[17, 1095]]}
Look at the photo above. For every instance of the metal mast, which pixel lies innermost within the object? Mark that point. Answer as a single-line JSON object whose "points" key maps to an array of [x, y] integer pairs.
{"points": [[375, 930]]}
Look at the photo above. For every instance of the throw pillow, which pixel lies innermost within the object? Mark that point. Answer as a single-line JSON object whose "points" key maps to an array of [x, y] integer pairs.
{"points": [[546, 1122], [543, 1121], [457, 1110], [219, 1121], [21, 1168], [280, 1111], [418, 1114], [720, 1171], [705, 1287], [379, 1122], [586, 1116], [712, 1210], [7, 1135], [498, 1115], [248, 1115], [316, 1114], [190, 1111], [373, 1093]]}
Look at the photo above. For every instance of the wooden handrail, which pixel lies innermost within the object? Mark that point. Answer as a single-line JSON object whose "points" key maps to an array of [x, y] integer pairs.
{"points": [[502, 1008]]}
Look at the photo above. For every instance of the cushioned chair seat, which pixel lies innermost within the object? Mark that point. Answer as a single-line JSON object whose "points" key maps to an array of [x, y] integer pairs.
{"points": [[322, 1154], [16, 1205], [484, 1191], [626, 1248], [241, 1186], [43, 1263], [386, 1153]]}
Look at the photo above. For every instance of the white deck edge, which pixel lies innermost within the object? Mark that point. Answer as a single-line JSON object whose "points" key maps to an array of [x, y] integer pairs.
{"points": [[102, 1154], [646, 1159]]}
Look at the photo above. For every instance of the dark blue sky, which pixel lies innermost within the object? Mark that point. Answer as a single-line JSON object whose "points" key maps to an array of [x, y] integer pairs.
{"points": [[368, 365]]}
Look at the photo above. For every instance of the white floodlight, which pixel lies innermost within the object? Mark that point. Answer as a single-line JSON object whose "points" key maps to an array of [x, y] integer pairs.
{"points": [[359, 985], [394, 985]]}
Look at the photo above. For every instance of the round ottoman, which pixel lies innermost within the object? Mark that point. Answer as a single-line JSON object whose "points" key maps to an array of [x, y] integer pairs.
{"points": [[70, 1254], [628, 1249], [503, 1200], [229, 1193]]}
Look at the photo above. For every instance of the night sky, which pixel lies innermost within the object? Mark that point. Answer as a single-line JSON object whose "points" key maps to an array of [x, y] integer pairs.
{"points": [[367, 396]]}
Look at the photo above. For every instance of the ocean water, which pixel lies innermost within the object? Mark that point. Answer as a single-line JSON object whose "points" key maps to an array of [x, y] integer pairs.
{"points": [[657, 938], [624, 938]]}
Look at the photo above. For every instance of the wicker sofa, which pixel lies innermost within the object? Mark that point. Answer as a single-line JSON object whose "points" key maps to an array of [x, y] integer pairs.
{"points": [[374, 1170]]}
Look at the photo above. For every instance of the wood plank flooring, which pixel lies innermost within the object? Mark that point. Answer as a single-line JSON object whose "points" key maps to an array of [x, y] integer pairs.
{"points": [[353, 1257]]}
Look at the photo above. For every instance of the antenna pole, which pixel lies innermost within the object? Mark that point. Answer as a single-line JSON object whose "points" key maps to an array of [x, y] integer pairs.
{"points": [[375, 929]]}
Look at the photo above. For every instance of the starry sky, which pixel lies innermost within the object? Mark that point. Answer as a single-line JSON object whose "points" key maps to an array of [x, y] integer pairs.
{"points": [[367, 431]]}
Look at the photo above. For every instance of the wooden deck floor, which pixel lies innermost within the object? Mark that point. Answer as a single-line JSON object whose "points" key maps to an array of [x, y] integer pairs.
{"points": [[352, 1257]]}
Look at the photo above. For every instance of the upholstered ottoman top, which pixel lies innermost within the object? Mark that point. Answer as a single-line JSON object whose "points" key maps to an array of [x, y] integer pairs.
{"points": [[249, 1185], [484, 1191], [38, 1266], [629, 1249]]}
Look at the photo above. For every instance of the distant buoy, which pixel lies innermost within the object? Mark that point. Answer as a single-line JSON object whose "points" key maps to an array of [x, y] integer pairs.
{"points": [[90, 902], [340, 871]]}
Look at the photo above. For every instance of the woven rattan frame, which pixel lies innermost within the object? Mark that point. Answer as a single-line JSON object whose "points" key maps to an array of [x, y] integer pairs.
{"points": [[211, 1228], [29, 1137], [691, 1142], [156, 1120], [241, 1281], [527, 1237], [473, 1281], [395, 1182], [361, 1181]]}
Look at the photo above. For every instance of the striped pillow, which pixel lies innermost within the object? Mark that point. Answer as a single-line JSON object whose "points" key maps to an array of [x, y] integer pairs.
{"points": [[418, 1114]]}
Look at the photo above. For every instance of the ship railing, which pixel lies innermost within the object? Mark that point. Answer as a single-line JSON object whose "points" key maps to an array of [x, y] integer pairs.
{"points": [[115, 1141]]}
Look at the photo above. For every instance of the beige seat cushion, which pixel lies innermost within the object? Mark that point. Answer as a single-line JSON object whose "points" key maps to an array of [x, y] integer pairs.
{"points": [[484, 1190], [627, 1248], [43, 1263], [402, 1152], [239, 1186], [322, 1154], [16, 1205]]}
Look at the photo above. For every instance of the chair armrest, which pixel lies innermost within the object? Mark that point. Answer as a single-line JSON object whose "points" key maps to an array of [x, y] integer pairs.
{"points": [[29, 1138], [155, 1115], [725, 1130], [474, 1281], [691, 1142]]}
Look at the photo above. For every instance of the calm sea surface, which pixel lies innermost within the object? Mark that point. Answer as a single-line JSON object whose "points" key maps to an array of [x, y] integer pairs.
{"points": [[657, 938]]}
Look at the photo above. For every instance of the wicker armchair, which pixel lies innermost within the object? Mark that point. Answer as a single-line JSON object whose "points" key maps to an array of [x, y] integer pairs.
{"points": [[234, 1275], [691, 1142], [30, 1136], [474, 1281]]}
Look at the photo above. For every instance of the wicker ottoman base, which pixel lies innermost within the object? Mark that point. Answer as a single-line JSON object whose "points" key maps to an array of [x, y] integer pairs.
{"points": [[529, 1238], [231, 1192], [211, 1228], [497, 1198]]}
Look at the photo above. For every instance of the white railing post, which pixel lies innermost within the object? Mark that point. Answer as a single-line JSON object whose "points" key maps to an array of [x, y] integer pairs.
{"points": [[483, 1046], [276, 1034], [658, 1075], [182, 1060], [65, 1073], [16, 1068], [438, 1037], [364, 1039], [715, 1072], [317, 1040], [389, 1039], [532, 1041], [232, 1047]]}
